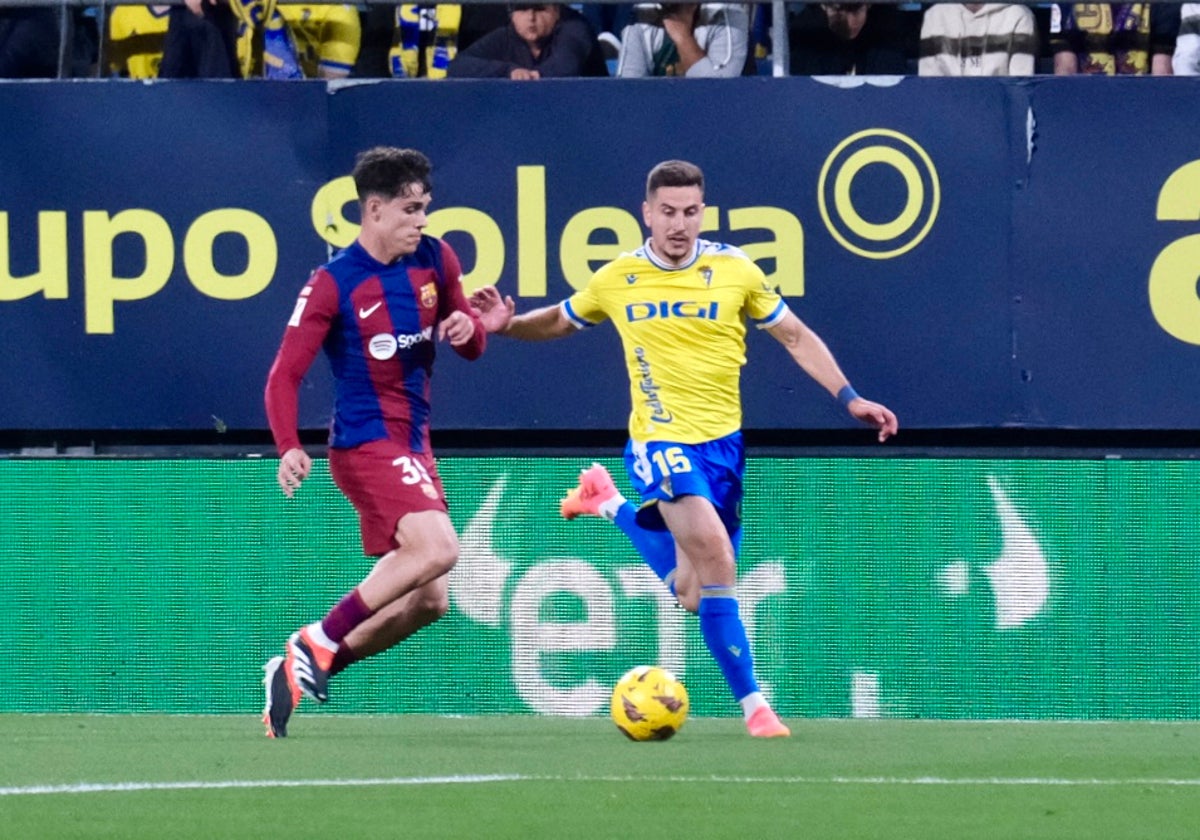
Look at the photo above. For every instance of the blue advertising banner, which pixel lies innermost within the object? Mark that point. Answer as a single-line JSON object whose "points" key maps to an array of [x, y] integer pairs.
{"points": [[1106, 226], [977, 253], [152, 239]]}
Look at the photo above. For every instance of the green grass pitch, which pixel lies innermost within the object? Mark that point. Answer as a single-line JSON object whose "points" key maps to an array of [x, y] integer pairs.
{"points": [[347, 777]]}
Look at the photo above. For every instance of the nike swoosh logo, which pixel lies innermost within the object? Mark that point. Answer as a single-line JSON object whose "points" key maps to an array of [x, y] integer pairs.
{"points": [[366, 313], [477, 581], [1020, 576]]}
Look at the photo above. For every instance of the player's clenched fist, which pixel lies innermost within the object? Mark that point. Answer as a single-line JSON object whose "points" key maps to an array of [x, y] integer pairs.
{"points": [[457, 328]]}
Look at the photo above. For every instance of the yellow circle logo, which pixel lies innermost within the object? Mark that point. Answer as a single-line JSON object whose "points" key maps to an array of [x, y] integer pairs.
{"points": [[887, 239]]}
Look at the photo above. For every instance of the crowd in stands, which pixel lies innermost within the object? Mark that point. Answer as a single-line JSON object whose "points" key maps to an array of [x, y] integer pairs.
{"points": [[263, 38]]}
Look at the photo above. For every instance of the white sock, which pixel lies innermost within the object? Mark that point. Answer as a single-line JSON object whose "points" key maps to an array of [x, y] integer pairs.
{"points": [[609, 507], [317, 633], [751, 703]]}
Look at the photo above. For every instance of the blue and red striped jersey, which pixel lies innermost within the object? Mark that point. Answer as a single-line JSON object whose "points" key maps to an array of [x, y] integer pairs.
{"points": [[378, 326]]}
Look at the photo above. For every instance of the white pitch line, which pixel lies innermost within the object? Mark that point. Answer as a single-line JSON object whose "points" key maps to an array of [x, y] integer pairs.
{"points": [[888, 780], [134, 787]]}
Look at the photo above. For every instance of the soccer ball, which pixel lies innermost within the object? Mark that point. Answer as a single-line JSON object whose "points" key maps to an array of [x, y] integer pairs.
{"points": [[649, 704]]}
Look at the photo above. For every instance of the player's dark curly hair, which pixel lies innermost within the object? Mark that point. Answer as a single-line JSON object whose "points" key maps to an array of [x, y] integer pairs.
{"points": [[674, 173], [389, 171]]}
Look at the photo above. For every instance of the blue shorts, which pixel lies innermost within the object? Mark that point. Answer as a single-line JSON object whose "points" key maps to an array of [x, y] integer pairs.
{"points": [[662, 471]]}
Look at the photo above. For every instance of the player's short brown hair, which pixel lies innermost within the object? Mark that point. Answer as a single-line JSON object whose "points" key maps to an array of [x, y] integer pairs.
{"points": [[674, 173], [389, 171]]}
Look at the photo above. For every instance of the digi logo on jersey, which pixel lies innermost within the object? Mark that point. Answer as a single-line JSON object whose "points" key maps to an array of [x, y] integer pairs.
{"points": [[385, 345], [671, 309]]}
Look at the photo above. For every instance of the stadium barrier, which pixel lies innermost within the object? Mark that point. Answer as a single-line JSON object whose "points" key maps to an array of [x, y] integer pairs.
{"points": [[915, 588]]}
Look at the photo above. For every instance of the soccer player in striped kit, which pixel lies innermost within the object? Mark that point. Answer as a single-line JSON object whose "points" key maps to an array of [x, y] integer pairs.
{"points": [[679, 304], [378, 308]]}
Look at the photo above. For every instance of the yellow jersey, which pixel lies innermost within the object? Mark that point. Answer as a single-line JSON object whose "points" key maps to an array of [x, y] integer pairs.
{"points": [[425, 40], [135, 40], [684, 335], [328, 38]]}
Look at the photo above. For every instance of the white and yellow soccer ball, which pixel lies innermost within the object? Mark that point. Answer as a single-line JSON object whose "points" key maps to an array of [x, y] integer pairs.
{"points": [[649, 704]]}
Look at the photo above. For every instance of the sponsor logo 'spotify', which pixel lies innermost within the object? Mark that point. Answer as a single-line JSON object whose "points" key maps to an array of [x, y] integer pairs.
{"points": [[385, 345]]}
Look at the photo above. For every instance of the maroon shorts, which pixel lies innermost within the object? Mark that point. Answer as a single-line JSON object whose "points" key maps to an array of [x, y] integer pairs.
{"points": [[384, 481]]}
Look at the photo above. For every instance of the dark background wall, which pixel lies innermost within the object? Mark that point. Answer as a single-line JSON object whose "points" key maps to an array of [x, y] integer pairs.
{"points": [[980, 254]]}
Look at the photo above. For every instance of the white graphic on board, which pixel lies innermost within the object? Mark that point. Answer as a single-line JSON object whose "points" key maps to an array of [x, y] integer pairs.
{"points": [[477, 580], [1020, 576]]}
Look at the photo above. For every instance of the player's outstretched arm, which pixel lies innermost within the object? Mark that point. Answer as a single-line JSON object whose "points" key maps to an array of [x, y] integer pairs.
{"points": [[540, 324], [815, 358], [874, 414], [493, 309]]}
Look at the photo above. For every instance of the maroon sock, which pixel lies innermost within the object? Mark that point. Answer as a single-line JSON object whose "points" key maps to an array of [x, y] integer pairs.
{"points": [[344, 657], [347, 614]]}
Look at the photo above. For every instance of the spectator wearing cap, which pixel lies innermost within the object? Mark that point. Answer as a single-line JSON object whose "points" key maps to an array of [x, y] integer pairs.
{"points": [[540, 41]]}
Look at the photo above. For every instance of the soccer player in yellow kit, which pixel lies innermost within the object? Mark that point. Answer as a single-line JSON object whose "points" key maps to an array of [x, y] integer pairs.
{"points": [[679, 304]]}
